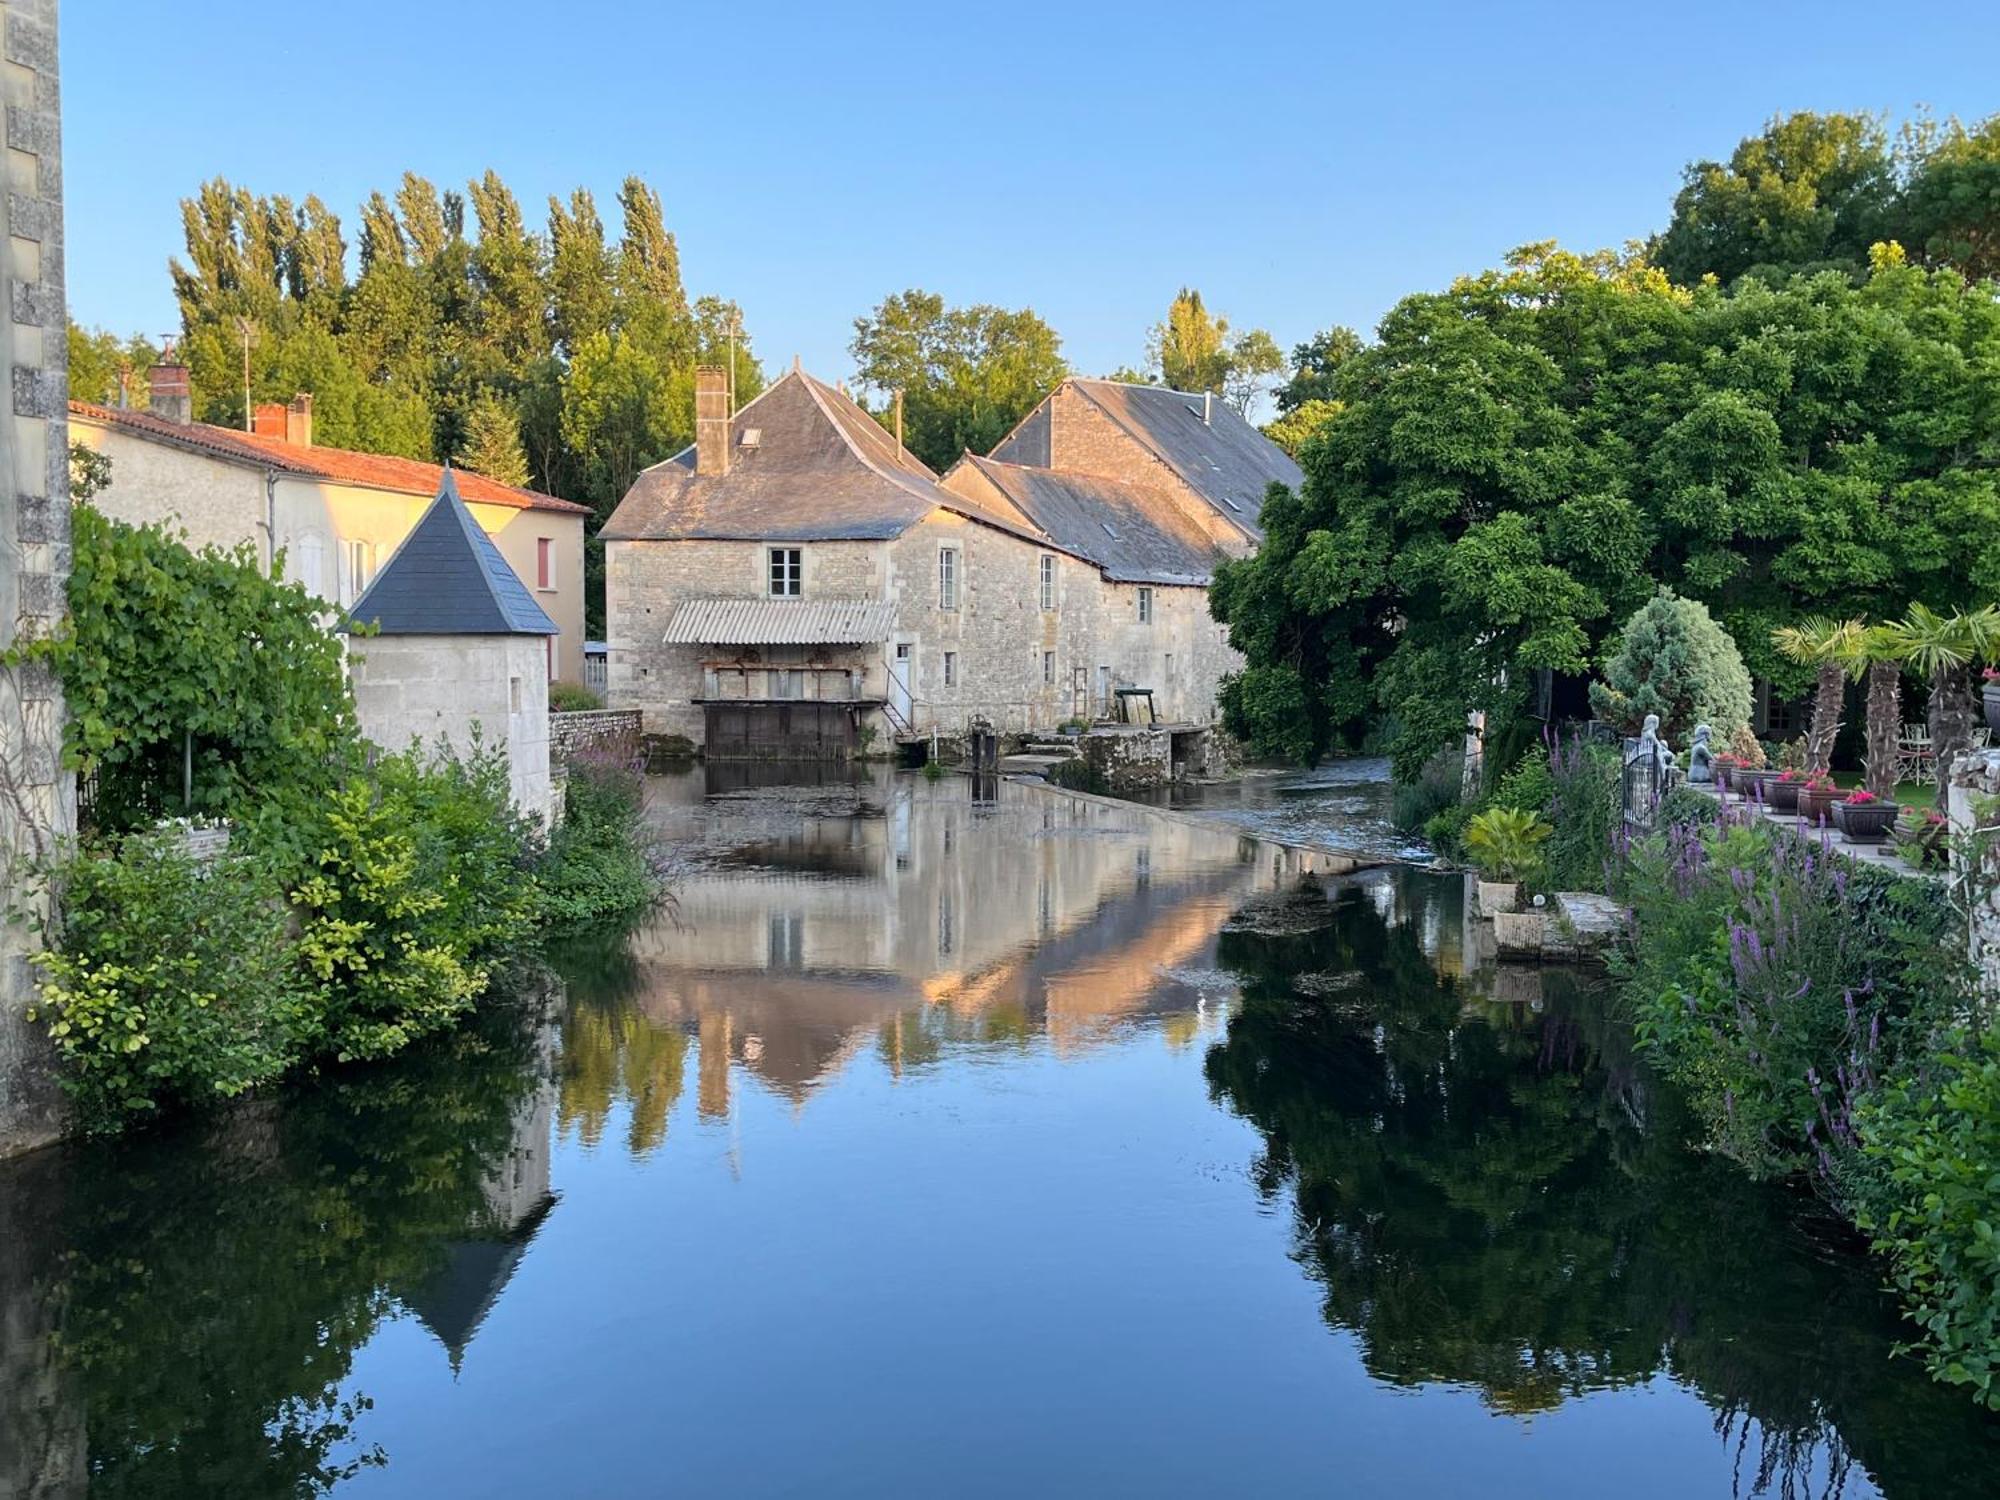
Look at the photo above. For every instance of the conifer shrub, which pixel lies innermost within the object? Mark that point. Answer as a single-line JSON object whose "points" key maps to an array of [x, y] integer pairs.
{"points": [[1673, 660]]}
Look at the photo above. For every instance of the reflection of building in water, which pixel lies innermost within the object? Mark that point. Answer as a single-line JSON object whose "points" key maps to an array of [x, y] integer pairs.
{"points": [[804, 943], [475, 1268], [42, 1449]]}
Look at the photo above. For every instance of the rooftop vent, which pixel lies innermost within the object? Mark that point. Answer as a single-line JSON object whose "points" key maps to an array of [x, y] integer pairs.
{"points": [[1108, 531], [752, 436]]}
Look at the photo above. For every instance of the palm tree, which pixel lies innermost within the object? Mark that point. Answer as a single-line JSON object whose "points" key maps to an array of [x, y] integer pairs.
{"points": [[1878, 653], [1944, 648], [1830, 646]]}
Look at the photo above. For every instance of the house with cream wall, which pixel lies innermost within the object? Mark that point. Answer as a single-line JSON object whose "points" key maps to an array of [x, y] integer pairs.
{"points": [[336, 515], [798, 584]]}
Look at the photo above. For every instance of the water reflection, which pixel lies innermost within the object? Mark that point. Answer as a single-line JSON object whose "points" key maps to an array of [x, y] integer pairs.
{"points": [[1492, 1196]]}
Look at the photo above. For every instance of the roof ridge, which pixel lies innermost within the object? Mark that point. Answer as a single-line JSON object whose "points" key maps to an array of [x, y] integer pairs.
{"points": [[901, 478]]}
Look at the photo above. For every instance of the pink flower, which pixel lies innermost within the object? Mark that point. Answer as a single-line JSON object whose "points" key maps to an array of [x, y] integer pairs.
{"points": [[1860, 798]]}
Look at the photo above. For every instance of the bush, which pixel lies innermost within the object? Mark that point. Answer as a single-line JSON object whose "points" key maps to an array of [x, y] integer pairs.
{"points": [[169, 981], [1438, 788], [417, 876], [1506, 842], [1531, 784], [1673, 660], [1935, 1139], [570, 698], [596, 869], [1685, 807]]}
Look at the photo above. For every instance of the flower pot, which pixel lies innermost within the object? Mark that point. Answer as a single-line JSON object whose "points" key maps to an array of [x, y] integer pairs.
{"points": [[1989, 696], [1816, 806], [1783, 795], [1498, 896], [1865, 822], [1754, 783]]}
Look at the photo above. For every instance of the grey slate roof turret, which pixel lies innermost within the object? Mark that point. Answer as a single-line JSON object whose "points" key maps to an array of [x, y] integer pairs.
{"points": [[447, 578]]}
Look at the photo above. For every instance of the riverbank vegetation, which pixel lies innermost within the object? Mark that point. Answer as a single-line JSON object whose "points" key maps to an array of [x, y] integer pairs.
{"points": [[256, 888]]}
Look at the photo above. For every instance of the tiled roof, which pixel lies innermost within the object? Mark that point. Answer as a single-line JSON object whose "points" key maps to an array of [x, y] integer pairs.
{"points": [[1224, 459], [819, 469], [382, 471], [780, 622], [447, 578], [1135, 535]]}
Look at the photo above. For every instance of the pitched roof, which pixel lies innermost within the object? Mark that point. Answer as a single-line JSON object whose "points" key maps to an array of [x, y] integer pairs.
{"points": [[382, 471], [447, 578], [819, 469], [1136, 535], [1224, 459], [781, 622]]}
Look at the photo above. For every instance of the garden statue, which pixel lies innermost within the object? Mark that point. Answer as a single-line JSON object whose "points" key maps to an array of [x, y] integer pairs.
{"points": [[1649, 745], [1701, 760]]}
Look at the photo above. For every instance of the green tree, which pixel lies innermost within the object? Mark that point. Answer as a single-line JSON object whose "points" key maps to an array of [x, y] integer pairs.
{"points": [[581, 288], [1315, 367], [1673, 660], [1300, 422], [1809, 191], [100, 363], [493, 442], [1951, 209], [967, 374], [1945, 647], [1190, 347], [1828, 646]]}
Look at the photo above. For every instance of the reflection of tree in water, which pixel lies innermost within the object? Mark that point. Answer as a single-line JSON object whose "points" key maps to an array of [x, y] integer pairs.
{"points": [[1496, 1198], [211, 1300]]}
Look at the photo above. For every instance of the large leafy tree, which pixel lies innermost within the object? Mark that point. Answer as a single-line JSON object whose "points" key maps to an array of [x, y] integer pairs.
{"points": [[967, 374], [1520, 460], [1192, 349]]}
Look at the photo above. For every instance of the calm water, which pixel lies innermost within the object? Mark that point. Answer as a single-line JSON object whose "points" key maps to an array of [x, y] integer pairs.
{"points": [[940, 1147]]}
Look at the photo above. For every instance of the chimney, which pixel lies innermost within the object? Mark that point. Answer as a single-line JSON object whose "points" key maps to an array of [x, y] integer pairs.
{"points": [[267, 419], [899, 419], [168, 394], [1207, 407], [711, 420], [299, 420]]}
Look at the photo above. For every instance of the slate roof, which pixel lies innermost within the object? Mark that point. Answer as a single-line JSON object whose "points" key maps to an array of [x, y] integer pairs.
{"points": [[454, 1300], [781, 622], [821, 469], [381, 471], [1225, 460], [1135, 535], [447, 578]]}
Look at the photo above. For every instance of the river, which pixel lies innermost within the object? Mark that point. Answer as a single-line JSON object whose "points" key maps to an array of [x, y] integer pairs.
{"points": [[930, 1144]]}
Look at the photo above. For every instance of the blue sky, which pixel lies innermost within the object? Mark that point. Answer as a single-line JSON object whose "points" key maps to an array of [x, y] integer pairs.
{"points": [[1302, 165]]}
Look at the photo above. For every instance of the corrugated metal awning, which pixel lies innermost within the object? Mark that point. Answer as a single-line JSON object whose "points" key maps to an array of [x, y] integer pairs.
{"points": [[780, 622]]}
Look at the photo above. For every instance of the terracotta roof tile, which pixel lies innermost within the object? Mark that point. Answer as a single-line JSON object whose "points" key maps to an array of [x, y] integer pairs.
{"points": [[382, 471]]}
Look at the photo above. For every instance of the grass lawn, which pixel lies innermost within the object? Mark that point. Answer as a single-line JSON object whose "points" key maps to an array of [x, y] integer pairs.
{"points": [[1908, 793]]}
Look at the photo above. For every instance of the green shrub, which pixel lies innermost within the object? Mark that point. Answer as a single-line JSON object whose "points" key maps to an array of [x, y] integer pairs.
{"points": [[1685, 807], [1934, 1136], [418, 874], [1529, 784], [1438, 787], [1586, 813], [570, 697], [169, 981], [1673, 660], [1506, 842], [596, 868]]}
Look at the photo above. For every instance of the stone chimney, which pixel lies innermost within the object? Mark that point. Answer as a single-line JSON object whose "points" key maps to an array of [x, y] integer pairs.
{"points": [[711, 420], [168, 393], [267, 419], [1207, 408], [299, 420]]}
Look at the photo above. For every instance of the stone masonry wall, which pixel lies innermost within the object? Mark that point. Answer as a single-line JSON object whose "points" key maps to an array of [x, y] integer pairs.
{"points": [[1974, 784], [37, 798], [608, 730]]}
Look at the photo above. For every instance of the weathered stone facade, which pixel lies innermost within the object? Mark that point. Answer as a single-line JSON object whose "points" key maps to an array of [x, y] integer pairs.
{"points": [[420, 688], [1973, 794], [37, 798], [604, 731]]}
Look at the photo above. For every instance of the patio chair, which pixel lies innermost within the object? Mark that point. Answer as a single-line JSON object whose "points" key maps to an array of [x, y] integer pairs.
{"points": [[1914, 755]]}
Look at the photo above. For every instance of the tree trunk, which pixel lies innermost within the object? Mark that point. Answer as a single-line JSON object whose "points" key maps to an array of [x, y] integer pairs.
{"points": [[1827, 694], [1952, 711], [1885, 713]]}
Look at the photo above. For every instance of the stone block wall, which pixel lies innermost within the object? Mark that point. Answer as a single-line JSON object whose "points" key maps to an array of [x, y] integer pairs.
{"points": [[610, 731], [1973, 803], [37, 798], [420, 688]]}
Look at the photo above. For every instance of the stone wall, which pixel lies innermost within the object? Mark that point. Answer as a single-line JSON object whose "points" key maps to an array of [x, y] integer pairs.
{"points": [[611, 731], [1973, 787], [418, 688], [37, 799]]}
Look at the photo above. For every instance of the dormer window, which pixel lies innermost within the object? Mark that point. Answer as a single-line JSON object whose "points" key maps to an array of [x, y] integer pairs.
{"points": [[787, 572]]}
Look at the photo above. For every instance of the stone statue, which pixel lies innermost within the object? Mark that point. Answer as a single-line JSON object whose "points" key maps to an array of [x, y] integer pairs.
{"points": [[1650, 745], [1701, 760]]}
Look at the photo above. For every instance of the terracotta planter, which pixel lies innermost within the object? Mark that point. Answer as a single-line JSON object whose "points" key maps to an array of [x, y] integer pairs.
{"points": [[1989, 697], [1865, 822], [1496, 896], [1782, 795], [1816, 807]]}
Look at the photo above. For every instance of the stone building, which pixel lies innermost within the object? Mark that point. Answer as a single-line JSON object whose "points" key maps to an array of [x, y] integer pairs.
{"points": [[37, 798], [459, 653], [798, 584], [336, 514]]}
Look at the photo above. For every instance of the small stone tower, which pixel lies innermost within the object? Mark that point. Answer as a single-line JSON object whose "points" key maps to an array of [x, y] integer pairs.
{"points": [[460, 646]]}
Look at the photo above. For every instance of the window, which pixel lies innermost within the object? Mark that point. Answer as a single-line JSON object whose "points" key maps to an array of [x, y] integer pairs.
{"points": [[1048, 666], [951, 669], [1145, 606], [545, 562], [947, 578], [357, 567], [787, 572], [1048, 582]]}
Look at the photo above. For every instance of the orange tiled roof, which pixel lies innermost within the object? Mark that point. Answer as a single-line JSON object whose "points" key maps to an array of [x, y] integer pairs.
{"points": [[380, 471]]}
